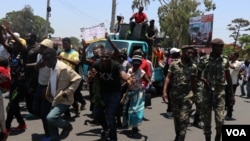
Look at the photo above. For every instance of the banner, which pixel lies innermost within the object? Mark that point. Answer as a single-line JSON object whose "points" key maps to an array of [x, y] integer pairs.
{"points": [[200, 30], [94, 33]]}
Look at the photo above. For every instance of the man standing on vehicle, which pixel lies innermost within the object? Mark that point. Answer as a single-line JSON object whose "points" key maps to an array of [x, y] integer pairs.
{"points": [[140, 18], [215, 70]]}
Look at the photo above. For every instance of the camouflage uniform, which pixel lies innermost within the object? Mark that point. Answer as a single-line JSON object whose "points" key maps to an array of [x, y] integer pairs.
{"points": [[181, 94], [214, 97], [198, 97]]}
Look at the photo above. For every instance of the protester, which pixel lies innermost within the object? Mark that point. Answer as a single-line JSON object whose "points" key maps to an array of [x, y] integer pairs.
{"points": [[244, 73], [17, 50], [215, 70], [234, 67], [182, 75], [31, 74], [71, 57], [41, 106], [140, 18], [109, 74], [159, 54], [63, 82], [4, 87], [152, 30], [117, 27], [89, 62], [133, 112]]}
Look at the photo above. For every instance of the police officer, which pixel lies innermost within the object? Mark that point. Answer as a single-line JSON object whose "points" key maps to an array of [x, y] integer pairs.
{"points": [[215, 70], [181, 74]]}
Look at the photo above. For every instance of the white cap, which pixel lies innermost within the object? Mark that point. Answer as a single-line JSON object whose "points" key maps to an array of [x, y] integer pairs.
{"points": [[17, 34], [174, 50]]}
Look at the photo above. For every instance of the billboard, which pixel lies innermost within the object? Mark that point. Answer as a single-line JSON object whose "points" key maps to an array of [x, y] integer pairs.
{"points": [[93, 33], [201, 30]]}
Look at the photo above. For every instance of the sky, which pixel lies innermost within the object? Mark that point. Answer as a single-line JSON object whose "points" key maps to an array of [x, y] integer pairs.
{"points": [[68, 16]]}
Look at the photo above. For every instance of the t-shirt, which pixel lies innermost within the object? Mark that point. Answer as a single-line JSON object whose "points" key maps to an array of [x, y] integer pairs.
{"points": [[139, 17], [110, 80], [72, 55]]}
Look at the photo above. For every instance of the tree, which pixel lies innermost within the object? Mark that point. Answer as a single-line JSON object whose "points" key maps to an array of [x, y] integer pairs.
{"points": [[75, 42], [174, 17], [236, 26], [25, 21]]}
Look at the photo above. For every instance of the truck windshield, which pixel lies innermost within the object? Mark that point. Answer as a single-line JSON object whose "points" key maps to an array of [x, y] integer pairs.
{"points": [[119, 44]]}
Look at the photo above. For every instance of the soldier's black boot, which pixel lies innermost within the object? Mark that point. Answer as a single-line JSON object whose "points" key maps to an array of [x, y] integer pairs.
{"points": [[176, 137], [181, 138], [197, 121], [217, 137], [208, 138]]}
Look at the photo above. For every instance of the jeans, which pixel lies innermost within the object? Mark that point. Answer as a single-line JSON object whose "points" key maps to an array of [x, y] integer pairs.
{"points": [[106, 114], [55, 121]]}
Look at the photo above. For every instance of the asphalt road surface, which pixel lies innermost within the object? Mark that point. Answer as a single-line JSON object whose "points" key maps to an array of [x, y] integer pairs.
{"points": [[155, 127]]}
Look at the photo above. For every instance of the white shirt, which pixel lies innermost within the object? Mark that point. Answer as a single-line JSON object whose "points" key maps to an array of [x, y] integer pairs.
{"points": [[234, 72], [53, 80], [4, 52], [44, 72]]}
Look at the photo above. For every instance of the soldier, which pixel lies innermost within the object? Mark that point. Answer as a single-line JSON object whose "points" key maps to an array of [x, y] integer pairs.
{"points": [[215, 70], [182, 74]]}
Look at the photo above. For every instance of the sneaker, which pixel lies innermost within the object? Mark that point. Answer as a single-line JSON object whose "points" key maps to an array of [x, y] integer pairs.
{"points": [[229, 118], [20, 127], [169, 114], [104, 134], [65, 132]]}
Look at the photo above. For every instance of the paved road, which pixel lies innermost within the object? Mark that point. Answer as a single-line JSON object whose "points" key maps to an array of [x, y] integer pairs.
{"points": [[156, 127]]}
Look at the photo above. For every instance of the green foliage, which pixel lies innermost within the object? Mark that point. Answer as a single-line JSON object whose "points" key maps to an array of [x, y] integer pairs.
{"points": [[75, 42], [24, 21], [236, 26]]}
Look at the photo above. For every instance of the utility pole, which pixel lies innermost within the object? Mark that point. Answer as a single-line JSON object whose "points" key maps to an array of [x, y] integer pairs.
{"points": [[48, 10], [112, 23]]}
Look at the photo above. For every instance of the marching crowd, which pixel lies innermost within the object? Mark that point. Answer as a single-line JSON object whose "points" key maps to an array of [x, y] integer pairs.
{"points": [[50, 82]]}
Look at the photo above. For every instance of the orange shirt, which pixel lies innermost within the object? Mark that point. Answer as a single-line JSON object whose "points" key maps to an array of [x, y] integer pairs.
{"points": [[159, 54]]}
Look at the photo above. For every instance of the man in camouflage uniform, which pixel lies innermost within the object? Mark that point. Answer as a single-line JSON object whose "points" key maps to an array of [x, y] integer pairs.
{"points": [[215, 70], [182, 74]]}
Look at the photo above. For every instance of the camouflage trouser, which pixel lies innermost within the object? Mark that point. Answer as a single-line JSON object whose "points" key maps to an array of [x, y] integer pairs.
{"points": [[181, 108], [215, 101], [198, 96]]}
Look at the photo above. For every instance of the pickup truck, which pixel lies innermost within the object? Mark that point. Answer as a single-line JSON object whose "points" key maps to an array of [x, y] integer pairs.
{"points": [[130, 44]]}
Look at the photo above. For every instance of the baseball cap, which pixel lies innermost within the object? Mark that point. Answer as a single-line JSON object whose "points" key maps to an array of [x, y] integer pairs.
{"points": [[187, 47], [47, 43], [174, 50], [217, 41]]}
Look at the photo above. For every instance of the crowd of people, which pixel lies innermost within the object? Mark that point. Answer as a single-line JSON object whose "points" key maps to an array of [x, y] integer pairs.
{"points": [[51, 82]]}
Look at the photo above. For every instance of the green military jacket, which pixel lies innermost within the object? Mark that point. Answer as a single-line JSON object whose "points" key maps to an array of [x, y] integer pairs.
{"points": [[214, 69]]}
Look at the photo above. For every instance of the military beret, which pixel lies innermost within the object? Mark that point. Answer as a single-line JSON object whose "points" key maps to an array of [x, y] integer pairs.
{"points": [[217, 41], [187, 47]]}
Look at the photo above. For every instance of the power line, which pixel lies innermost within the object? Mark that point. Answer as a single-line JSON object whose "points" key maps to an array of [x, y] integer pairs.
{"points": [[77, 11]]}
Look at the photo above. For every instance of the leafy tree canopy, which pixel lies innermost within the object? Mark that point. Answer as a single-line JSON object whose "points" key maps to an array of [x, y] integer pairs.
{"points": [[24, 21]]}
